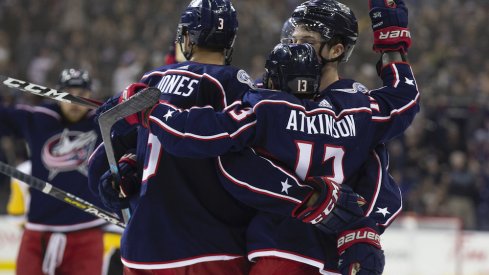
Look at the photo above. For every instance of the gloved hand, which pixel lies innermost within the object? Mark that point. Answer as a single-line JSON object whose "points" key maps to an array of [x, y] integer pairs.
{"points": [[390, 25], [128, 92], [336, 208], [117, 197], [360, 251]]}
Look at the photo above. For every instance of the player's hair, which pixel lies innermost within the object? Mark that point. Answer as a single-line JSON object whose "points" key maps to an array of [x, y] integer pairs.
{"points": [[210, 24], [334, 21], [74, 78], [293, 68]]}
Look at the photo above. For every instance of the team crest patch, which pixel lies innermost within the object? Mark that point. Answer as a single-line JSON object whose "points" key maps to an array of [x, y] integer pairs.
{"points": [[359, 87], [68, 151], [244, 78]]}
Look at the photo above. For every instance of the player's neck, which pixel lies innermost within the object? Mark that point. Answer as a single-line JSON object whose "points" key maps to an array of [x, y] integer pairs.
{"points": [[329, 76], [208, 57]]}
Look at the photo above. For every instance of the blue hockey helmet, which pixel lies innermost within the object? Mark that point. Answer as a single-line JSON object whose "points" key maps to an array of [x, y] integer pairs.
{"points": [[74, 78], [210, 24], [293, 68], [331, 19]]}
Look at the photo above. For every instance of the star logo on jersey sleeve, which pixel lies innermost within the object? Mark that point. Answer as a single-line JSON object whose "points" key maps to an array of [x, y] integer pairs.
{"points": [[383, 211], [409, 81], [285, 186], [168, 114]]}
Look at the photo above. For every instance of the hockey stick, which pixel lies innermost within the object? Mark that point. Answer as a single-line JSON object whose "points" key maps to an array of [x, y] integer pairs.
{"points": [[59, 194], [142, 100], [48, 92]]}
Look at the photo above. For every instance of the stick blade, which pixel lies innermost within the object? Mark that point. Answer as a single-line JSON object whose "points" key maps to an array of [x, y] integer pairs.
{"points": [[140, 101]]}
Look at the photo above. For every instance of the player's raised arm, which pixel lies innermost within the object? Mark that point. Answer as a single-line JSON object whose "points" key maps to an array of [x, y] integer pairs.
{"points": [[397, 102], [393, 107]]}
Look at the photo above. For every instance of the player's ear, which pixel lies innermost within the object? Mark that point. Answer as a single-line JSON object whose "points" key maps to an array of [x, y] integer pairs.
{"points": [[186, 41], [336, 50]]}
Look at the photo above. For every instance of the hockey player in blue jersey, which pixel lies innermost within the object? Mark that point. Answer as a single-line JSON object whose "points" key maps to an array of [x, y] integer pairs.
{"points": [[60, 137], [347, 119], [183, 221]]}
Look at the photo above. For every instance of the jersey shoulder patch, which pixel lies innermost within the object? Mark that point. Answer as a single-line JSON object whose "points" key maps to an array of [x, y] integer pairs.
{"points": [[244, 78], [349, 86], [359, 87]]}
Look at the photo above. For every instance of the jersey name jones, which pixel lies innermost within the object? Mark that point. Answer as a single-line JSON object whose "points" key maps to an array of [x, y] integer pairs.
{"points": [[177, 84]]}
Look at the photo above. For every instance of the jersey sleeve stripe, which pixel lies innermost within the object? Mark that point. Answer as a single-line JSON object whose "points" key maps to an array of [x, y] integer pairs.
{"points": [[396, 76], [252, 188], [169, 129], [394, 216], [377, 185], [404, 108]]}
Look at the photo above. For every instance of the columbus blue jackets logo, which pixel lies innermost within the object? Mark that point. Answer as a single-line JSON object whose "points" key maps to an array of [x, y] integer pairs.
{"points": [[68, 151], [244, 78]]}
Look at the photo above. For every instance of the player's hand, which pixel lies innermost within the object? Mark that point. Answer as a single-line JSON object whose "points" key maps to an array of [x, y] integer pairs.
{"points": [[335, 208], [128, 92], [360, 252], [390, 25], [117, 197]]}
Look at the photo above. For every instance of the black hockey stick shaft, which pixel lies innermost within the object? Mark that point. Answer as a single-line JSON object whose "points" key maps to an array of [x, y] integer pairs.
{"points": [[48, 92], [59, 194], [141, 101]]}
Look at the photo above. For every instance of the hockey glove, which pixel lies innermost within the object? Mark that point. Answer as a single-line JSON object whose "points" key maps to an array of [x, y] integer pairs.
{"points": [[336, 208], [390, 25], [360, 250], [117, 198], [130, 91]]}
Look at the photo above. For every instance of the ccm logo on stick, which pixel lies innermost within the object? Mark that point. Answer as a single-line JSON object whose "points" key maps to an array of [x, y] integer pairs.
{"points": [[333, 199], [36, 89]]}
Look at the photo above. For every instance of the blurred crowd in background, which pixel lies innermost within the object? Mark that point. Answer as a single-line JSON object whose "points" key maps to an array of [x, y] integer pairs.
{"points": [[441, 163]]}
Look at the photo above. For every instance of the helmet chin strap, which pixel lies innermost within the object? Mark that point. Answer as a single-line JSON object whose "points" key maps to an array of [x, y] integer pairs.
{"points": [[187, 55], [325, 60], [228, 56]]}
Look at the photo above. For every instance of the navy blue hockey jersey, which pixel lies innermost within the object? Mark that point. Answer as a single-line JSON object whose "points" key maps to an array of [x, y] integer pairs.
{"points": [[59, 151], [275, 190], [183, 215], [330, 136], [340, 135]]}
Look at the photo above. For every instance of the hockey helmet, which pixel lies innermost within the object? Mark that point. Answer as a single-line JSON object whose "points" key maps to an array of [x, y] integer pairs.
{"points": [[209, 23], [74, 78], [330, 19], [293, 68]]}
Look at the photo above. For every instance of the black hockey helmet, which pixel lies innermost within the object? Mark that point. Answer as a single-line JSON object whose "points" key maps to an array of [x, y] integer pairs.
{"points": [[286, 33], [211, 24], [74, 78], [293, 68], [330, 19]]}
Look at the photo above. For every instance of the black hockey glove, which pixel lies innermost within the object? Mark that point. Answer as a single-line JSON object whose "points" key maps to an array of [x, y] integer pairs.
{"points": [[118, 198], [336, 209]]}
